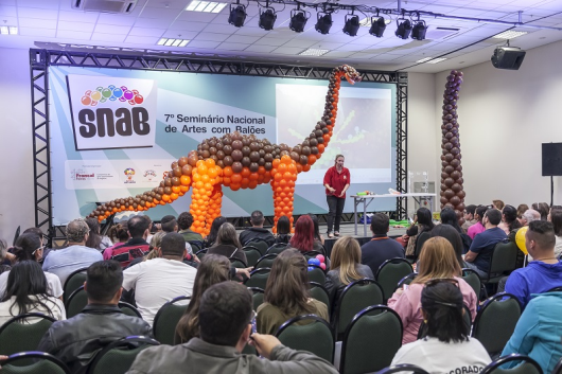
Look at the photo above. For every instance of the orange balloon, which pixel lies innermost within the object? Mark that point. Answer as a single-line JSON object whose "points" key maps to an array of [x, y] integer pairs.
{"points": [[165, 197], [245, 172], [210, 163], [196, 177], [261, 170], [253, 184], [282, 168], [184, 189], [292, 168], [175, 189], [306, 167], [276, 163], [235, 186], [205, 178], [253, 176], [213, 172], [226, 181], [245, 182], [311, 159], [286, 159], [299, 168], [278, 177], [287, 176], [236, 178], [174, 196], [185, 180], [228, 171], [320, 148], [326, 137]]}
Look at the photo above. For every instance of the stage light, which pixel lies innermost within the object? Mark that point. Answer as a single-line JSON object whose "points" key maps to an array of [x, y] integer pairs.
{"points": [[267, 18], [298, 20], [351, 25], [403, 29], [419, 30], [237, 15], [324, 23], [378, 27]]}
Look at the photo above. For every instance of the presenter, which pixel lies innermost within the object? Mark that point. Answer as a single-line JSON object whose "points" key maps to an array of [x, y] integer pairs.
{"points": [[336, 181]]}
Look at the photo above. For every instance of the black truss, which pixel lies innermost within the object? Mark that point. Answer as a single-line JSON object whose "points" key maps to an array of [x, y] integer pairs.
{"points": [[41, 59]]}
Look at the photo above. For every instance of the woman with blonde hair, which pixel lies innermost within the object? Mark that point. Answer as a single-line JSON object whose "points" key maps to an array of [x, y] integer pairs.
{"points": [[437, 261], [286, 293], [346, 265]]}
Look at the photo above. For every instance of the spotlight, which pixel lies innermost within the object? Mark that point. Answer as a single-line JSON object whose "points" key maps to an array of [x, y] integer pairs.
{"points": [[267, 18], [419, 30], [237, 15], [351, 25], [298, 20], [403, 29], [324, 23], [377, 27]]}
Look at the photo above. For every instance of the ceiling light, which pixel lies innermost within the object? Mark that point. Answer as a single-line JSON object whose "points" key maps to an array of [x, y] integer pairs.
{"points": [[267, 18], [205, 6], [298, 20], [237, 15], [4, 30], [161, 41], [324, 23], [184, 43], [176, 42], [510, 34], [202, 5], [419, 30], [167, 42], [8, 30], [378, 26], [209, 8], [366, 22], [437, 60], [351, 25], [314, 52], [403, 29], [425, 59], [13, 30]]}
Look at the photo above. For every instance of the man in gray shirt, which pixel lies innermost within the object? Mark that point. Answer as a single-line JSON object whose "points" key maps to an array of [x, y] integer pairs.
{"points": [[225, 316]]}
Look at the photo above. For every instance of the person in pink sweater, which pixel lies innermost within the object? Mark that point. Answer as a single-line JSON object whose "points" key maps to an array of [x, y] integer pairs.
{"points": [[437, 261]]}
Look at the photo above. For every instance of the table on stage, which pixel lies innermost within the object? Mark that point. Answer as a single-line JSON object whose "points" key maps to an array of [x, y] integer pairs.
{"points": [[367, 199]]}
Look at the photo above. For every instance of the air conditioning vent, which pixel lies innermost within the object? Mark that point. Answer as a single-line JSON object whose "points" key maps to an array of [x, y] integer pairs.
{"points": [[105, 6]]}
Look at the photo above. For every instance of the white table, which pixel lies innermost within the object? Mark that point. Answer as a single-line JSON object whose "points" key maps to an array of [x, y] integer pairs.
{"points": [[367, 199]]}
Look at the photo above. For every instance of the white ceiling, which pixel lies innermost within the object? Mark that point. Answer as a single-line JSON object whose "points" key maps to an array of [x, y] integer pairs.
{"points": [[54, 21]]}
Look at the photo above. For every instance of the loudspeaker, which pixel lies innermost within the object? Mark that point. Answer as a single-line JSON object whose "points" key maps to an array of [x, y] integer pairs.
{"points": [[509, 58], [551, 159]]}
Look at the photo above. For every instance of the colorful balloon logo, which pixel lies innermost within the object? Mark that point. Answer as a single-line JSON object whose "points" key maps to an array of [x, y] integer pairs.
{"points": [[111, 93]]}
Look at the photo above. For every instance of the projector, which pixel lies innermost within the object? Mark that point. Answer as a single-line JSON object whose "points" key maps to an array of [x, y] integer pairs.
{"points": [[509, 58]]}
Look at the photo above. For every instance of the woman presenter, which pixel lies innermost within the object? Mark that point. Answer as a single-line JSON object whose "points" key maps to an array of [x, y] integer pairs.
{"points": [[336, 181]]}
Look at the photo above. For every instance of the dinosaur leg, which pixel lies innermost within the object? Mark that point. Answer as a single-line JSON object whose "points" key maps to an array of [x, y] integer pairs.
{"points": [[284, 175], [214, 210], [205, 175]]}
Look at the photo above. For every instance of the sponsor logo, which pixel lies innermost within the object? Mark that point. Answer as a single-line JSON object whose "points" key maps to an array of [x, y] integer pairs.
{"points": [[149, 174], [81, 175], [129, 174], [111, 93]]}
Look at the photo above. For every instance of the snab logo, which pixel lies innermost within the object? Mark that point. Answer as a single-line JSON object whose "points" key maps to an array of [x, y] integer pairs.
{"points": [[112, 115]]}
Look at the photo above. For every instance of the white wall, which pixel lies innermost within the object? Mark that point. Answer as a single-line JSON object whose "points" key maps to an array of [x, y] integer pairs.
{"points": [[504, 117]]}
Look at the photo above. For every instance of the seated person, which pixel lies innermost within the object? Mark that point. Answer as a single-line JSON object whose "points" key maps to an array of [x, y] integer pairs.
{"points": [[227, 244], [479, 257], [225, 317], [76, 340], [544, 272], [136, 246], [380, 248], [185, 220], [478, 226], [283, 235], [257, 231]]}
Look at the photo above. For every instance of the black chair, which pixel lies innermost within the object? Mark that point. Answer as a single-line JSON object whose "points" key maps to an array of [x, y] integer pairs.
{"points": [[17, 336], [196, 245], [315, 336], [129, 309], [117, 357], [555, 289], [76, 302], [374, 329], [166, 319], [73, 282], [471, 277], [406, 280], [277, 248], [311, 254], [390, 273], [33, 362], [239, 264], [258, 243], [404, 368], [200, 254], [558, 368], [257, 297], [527, 366], [258, 278], [495, 321], [316, 274], [252, 255], [265, 261], [504, 259], [320, 293]]}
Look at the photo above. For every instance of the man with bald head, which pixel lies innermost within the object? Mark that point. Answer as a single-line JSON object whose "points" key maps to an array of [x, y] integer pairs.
{"points": [[529, 216], [63, 262]]}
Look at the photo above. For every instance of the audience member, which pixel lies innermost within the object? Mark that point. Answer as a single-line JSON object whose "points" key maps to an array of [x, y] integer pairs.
{"points": [[119, 233], [160, 280], [542, 208], [509, 219], [447, 347], [541, 274], [452, 235], [449, 217], [185, 220], [283, 230], [63, 262], [28, 248], [479, 257], [346, 266], [215, 226], [478, 227], [76, 340], [303, 239], [257, 231], [136, 246], [555, 216], [317, 237], [286, 293], [498, 204], [424, 220], [213, 269], [437, 261], [381, 247], [95, 239], [37, 231], [529, 216], [27, 292], [468, 214], [6, 258], [169, 224], [521, 208], [538, 331], [227, 244], [225, 316]]}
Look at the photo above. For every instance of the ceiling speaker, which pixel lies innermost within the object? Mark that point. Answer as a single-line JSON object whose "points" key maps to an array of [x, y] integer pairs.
{"points": [[509, 58]]}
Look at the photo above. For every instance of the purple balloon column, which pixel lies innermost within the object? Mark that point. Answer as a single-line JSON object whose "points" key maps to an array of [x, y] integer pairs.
{"points": [[452, 191]]}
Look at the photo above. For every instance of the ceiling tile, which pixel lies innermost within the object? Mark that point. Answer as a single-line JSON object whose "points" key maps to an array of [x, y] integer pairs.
{"points": [[271, 42], [112, 29], [43, 4], [111, 19], [29, 31], [145, 40], [160, 13], [228, 46], [37, 23], [153, 23], [338, 54], [37, 13], [299, 43], [74, 35], [141, 31], [288, 51], [78, 16], [116, 38], [197, 16], [260, 48], [203, 45], [187, 26], [76, 26], [218, 28], [242, 39], [207, 36], [8, 11], [189, 35]]}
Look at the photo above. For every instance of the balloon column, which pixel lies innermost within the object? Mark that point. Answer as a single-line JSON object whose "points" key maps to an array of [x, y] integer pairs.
{"points": [[239, 161], [452, 192]]}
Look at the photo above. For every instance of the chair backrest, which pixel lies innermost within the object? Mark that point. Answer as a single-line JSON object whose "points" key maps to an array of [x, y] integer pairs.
{"points": [[239, 264], [168, 316], [196, 245], [258, 278], [527, 366], [355, 297], [318, 292], [265, 261], [76, 302], [374, 329], [316, 274], [129, 309], [257, 297], [73, 282], [390, 273], [311, 254], [252, 255], [558, 368], [33, 362], [403, 368], [18, 336], [473, 279], [277, 248], [555, 289], [315, 336], [260, 244], [200, 254], [504, 258], [406, 280], [495, 321], [117, 357]]}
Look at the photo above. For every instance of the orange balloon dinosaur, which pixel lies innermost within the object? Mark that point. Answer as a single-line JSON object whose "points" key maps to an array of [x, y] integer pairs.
{"points": [[239, 161]]}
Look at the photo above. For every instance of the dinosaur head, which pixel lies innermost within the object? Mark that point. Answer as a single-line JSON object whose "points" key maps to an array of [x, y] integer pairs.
{"points": [[351, 75]]}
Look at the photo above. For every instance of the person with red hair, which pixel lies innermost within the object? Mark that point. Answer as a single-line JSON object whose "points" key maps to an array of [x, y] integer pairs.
{"points": [[303, 239]]}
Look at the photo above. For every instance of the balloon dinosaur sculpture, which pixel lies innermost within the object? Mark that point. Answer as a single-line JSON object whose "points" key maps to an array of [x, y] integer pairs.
{"points": [[452, 192], [239, 161]]}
